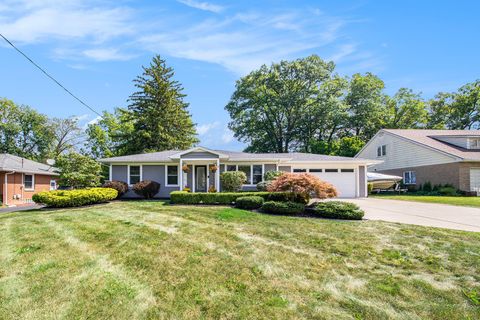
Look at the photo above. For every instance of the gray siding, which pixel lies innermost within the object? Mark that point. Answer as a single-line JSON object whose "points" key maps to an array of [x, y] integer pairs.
{"points": [[199, 155], [284, 168], [362, 181], [155, 173], [120, 173]]}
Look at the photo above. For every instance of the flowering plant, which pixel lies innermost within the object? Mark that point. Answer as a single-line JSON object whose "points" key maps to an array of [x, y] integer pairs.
{"points": [[213, 168], [185, 168]]}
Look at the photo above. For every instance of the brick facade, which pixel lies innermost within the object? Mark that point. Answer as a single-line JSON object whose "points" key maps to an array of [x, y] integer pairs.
{"points": [[456, 174], [15, 187]]}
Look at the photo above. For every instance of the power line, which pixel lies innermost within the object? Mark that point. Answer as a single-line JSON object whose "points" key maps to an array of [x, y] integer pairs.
{"points": [[48, 75]]}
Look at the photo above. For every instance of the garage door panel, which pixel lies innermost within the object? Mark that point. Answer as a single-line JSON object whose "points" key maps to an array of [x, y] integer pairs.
{"points": [[344, 182]]}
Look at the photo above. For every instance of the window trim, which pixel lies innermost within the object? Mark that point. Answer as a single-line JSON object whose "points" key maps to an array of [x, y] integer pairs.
{"points": [[33, 182], [262, 167], [128, 173], [382, 151], [251, 184], [166, 175], [409, 183]]}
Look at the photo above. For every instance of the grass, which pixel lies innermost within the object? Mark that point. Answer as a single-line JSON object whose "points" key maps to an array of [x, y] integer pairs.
{"points": [[456, 201], [150, 260]]}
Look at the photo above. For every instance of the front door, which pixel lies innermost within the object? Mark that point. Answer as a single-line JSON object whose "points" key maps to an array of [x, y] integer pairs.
{"points": [[201, 179]]}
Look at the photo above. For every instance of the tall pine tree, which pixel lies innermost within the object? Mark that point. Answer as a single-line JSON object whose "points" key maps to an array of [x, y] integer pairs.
{"points": [[159, 114]]}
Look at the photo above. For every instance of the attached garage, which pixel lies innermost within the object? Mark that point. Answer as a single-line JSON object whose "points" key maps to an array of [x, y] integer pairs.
{"points": [[346, 180]]}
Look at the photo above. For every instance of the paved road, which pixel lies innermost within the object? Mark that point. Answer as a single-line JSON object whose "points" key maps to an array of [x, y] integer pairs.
{"points": [[424, 214], [20, 208]]}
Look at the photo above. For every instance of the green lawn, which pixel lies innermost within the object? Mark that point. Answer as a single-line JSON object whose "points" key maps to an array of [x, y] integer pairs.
{"points": [[457, 201], [150, 260]]}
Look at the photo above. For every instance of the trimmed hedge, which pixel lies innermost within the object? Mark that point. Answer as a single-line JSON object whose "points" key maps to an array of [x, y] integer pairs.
{"points": [[338, 210], [288, 207], [120, 186], [183, 197], [249, 203], [74, 198], [146, 188]]}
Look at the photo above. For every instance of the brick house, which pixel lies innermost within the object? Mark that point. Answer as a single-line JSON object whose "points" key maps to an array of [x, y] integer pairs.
{"points": [[21, 178], [435, 156]]}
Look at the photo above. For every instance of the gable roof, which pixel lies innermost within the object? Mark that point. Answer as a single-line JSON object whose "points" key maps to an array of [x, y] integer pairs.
{"points": [[170, 155], [429, 139], [9, 162]]}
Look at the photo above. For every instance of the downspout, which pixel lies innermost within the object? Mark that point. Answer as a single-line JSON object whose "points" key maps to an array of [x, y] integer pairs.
{"points": [[6, 186]]}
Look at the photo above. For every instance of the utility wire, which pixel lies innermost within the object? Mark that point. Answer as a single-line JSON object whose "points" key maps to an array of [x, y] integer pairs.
{"points": [[48, 75]]}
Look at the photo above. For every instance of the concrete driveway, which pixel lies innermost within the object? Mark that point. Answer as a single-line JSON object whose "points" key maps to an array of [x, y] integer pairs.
{"points": [[423, 214]]}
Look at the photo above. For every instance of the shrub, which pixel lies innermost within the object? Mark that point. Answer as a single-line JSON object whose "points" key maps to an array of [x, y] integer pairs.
{"points": [[287, 207], [272, 175], [182, 197], [120, 186], [369, 187], [338, 210], [232, 181], [447, 191], [74, 198], [212, 189], [147, 188], [305, 184], [249, 202], [263, 186], [427, 187]]}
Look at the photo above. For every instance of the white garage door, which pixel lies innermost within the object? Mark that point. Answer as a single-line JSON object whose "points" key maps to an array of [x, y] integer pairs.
{"points": [[345, 182], [475, 179]]}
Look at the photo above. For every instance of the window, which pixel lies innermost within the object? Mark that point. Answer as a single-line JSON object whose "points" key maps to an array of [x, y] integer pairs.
{"points": [[382, 151], [299, 170], [474, 144], [28, 182], [53, 185], [246, 169], [134, 175], [231, 167], [257, 173], [172, 175], [331, 170], [409, 177], [315, 170], [346, 170]]}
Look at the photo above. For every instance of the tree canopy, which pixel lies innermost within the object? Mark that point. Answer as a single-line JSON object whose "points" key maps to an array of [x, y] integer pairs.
{"points": [[158, 113]]}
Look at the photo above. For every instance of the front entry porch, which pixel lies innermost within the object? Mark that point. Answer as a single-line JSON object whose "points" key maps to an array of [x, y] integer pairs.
{"points": [[200, 175]]}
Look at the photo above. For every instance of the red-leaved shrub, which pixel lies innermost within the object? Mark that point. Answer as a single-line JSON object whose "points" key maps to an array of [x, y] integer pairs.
{"points": [[146, 188], [120, 186], [305, 184]]}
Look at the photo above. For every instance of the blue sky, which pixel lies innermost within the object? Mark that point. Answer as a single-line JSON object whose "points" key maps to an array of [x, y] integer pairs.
{"points": [[95, 48]]}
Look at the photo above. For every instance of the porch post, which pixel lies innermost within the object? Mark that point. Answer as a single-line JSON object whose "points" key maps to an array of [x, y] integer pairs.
{"points": [[193, 178], [217, 176], [181, 174]]}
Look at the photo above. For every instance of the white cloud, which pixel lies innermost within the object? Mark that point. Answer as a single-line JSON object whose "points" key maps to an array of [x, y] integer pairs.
{"points": [[39, 21], [227, 136], [246, 41], [205, 6], [106, 54], [204, 128]]}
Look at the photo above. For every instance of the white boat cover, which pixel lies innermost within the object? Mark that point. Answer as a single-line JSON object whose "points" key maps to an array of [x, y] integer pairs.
{"points": [[373, 176]]}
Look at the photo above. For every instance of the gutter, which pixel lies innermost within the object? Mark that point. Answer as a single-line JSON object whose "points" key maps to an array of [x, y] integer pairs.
{"points": [[6, 186]]}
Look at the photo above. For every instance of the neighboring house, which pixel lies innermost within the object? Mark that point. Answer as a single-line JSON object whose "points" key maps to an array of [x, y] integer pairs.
{"points": [[20, 178], [435, 156], [347, 174]]}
